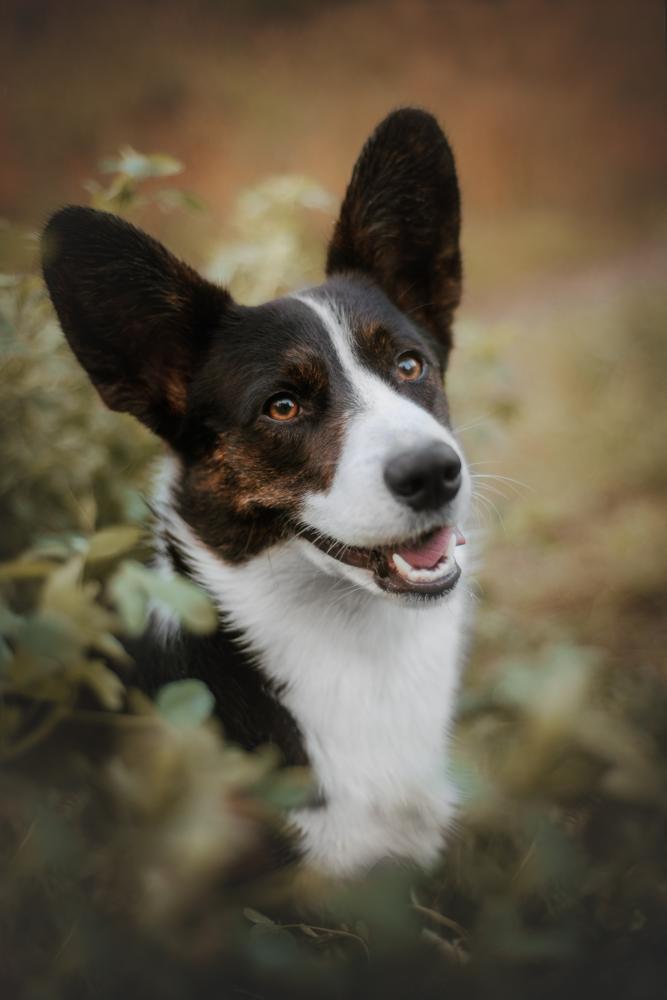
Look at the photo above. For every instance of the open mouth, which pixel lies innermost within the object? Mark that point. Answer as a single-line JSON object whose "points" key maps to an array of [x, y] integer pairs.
{"points": [[424, 566]]}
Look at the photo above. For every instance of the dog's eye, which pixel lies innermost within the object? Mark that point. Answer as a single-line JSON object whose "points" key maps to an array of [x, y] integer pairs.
{"points": [[281, 407], [410, 366]]}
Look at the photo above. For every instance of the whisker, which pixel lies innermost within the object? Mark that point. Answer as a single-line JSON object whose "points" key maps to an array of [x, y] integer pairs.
{"points": [[490, 505], [492, 489], [477, 499], [484, 419], [504, 479], [493, 507]]}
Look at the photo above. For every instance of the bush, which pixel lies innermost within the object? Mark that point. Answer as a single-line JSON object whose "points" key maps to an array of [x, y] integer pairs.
{"points": [[136, 843]]}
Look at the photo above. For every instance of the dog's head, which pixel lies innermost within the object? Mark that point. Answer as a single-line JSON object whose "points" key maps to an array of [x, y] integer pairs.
{"points": [[317, 420]]}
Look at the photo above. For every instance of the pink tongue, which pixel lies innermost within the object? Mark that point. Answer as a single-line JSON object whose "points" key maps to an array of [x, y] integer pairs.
{"points": [[429, 554]]}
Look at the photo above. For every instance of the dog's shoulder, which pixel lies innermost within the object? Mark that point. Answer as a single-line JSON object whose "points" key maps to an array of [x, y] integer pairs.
{"points": [[247, 702]]}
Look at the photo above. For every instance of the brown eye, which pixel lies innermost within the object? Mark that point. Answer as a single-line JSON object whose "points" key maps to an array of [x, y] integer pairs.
{"points": [[282, 407], [410, 367]]}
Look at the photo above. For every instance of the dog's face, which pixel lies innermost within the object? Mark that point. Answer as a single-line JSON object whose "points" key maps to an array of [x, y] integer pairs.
{"points": [[318, 420]]}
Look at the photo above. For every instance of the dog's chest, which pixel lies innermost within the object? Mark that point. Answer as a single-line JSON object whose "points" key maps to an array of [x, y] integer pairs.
{"points": [[373, 700], [376, 737]]}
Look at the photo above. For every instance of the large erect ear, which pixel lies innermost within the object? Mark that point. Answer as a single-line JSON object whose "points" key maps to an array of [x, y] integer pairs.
{"points": [[400, 219], [138, 319]]}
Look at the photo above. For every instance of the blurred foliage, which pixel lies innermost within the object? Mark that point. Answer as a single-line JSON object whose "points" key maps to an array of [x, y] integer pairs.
{"points": [[136, 845], [268, 254]]}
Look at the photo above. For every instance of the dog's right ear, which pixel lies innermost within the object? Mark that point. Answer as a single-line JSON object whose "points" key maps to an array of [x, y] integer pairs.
{"points": [[139, 320], [400, 219]]}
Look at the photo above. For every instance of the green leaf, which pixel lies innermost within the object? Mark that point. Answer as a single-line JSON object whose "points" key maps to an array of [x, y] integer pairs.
{"points": [[134, 585], [186, 703], [289, 788], [140, 166], [109, 543], [106, 685], [26, 569], [174, 198], [257, 918], [51, 637], [59, 547], [128, 594], [193, 607], [109, 646]]}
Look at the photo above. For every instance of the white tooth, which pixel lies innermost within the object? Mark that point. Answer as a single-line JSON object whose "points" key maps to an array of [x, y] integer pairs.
{"points": [[413, 575], [403, 567], [451, 546]]}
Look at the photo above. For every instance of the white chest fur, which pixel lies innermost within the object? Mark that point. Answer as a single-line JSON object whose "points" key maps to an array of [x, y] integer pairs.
{"points": [[372, 687], [374, 703]]}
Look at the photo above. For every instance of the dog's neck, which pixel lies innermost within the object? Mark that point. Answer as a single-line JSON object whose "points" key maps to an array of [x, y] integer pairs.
{"points": [[370, 684]]}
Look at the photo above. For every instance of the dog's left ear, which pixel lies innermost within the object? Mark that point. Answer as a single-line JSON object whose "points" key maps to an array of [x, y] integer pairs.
{"points": [[400, 219]]}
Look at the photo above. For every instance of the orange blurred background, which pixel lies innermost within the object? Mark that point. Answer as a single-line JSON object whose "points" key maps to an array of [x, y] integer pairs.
{"points": [[550, 106]]}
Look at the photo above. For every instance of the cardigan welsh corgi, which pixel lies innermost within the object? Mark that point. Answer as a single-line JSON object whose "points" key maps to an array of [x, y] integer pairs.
{"points": [[312, 485]]}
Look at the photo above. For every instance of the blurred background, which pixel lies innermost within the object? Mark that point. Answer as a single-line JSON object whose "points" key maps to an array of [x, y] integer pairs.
{"points": [[228, 129]]}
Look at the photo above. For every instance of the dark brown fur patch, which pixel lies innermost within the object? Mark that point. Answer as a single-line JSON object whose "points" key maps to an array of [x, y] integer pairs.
{"points": [[246, 494], [243, 492]]}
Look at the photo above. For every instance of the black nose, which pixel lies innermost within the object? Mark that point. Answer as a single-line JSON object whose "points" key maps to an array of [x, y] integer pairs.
{"points": [[424, 479]]}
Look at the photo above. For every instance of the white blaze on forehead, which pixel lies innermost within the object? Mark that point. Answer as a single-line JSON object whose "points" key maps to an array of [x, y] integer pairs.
{"points": [[370, 391], [341, 338], [358, 508]]}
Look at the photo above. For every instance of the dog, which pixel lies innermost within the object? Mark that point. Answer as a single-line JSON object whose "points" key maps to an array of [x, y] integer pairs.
{"points": [[312, 486]]}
